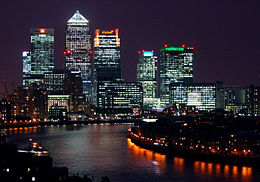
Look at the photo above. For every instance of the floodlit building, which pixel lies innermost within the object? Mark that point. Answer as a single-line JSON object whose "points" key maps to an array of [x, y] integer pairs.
{"points": [[147, 76], [78, 48], [176, 66]]}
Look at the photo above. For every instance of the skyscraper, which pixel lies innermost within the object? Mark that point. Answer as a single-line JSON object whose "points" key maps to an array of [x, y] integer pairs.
{"points": [[147, 76], [176, 66], [107, 55], [107, 65], [77, 51], [42, 53]]}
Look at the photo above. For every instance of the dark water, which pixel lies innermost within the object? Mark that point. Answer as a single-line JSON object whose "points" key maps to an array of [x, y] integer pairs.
{"points": [[99, 150]]}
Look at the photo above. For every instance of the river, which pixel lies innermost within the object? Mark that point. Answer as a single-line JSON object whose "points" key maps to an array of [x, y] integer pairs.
{"points": [[103, 150]]}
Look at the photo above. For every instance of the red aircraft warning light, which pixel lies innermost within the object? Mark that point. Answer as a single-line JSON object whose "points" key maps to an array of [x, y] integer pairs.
{"points": [[165, 45], [67, 52]]}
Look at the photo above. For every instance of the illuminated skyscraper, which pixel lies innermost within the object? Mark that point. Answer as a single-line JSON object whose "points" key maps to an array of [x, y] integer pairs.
{"points": [[107, 55], [42, 53], [147, 76], [77, 51], [176, 66], [107, 65]]}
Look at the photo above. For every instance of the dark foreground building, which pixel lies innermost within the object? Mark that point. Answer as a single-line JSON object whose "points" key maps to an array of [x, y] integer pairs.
{"points": [[20, 166]]}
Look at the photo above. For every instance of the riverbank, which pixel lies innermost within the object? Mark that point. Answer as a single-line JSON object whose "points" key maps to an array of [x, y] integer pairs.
{"points": [[208, 157], [49, 123]]}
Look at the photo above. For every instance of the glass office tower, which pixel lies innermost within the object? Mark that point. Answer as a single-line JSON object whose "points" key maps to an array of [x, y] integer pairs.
{"points": [[147, 76], [77, 51], [107, 67], [42, 53], [176, 66], [107, 55]]}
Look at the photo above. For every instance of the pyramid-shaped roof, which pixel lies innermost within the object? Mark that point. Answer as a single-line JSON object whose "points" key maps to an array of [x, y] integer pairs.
{"points": [[78, 18]]}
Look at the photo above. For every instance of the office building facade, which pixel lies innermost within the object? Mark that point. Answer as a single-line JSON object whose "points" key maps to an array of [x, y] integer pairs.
{"points": [[53, 82], [147, 76], [235, 99], [253, 100], [107, 67], [26, 67], [176, 66], [200, 95], [120, 95], [59, 101], [78, 47], [42, 53], [73, 86]]}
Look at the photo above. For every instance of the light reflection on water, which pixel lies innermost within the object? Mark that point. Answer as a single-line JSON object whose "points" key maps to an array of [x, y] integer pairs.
{"points": [[203, 170], [104, 150]]}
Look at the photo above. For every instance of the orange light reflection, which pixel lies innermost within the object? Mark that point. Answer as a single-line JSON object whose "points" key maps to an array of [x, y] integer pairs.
{"points": [[148, 154]]}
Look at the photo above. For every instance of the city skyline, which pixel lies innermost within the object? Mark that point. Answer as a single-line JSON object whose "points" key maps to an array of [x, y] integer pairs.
{"points": [[225, 50]]}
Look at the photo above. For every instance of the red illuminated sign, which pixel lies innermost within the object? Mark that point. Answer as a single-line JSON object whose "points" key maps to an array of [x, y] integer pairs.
{"points": [[108, 32]]}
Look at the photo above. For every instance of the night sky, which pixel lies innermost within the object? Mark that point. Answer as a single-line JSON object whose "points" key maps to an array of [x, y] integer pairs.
{"points": [[225, 33]]}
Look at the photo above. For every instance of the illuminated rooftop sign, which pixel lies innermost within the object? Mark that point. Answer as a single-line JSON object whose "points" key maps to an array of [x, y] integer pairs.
{"points": [[148, 53], [172, 49], [42, 30], [108, 32]]}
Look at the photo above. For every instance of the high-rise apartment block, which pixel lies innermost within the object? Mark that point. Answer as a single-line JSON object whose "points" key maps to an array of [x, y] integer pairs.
{"points": [[147, 76], [78, 48], [176, 66]]}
